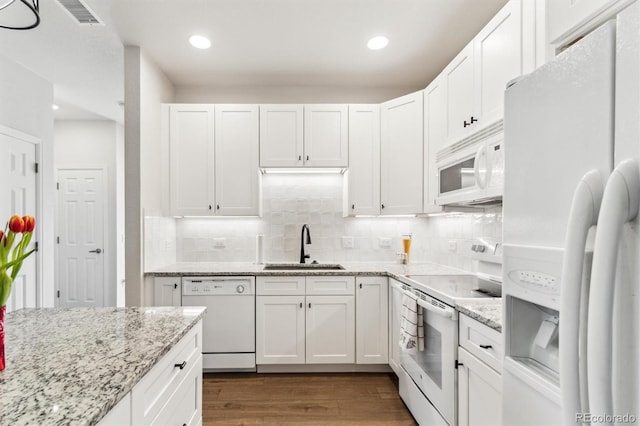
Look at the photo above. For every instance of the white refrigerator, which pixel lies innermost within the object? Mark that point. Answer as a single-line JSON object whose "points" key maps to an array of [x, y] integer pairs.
{"points": [[571, 242]]}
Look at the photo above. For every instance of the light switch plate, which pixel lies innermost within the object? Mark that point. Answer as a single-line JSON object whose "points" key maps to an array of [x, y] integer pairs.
{"points": [[384, 242], [219, 242], [347, 242], [453, 246]]}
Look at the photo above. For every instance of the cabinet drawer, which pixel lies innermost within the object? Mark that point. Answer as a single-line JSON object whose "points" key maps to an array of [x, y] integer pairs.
{"points": [[185, 405], [279, 286], [151, 394], [331, 285], [482, 341]]}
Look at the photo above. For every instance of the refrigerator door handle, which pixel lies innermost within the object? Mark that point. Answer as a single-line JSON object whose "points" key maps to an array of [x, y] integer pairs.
{"points": [[574, 297], [620, 204]]}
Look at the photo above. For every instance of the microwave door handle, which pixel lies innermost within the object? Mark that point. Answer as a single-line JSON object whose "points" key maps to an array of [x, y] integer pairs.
{"points": [[481, 182], [444, 312], [619, 205], [574, 296]]}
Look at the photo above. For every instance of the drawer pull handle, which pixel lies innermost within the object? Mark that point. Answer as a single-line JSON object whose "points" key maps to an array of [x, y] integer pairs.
{"points": [[486, 346], [181, 366]]}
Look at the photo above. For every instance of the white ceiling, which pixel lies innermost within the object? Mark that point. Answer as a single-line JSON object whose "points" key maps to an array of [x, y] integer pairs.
{"points": [[255, 43]]}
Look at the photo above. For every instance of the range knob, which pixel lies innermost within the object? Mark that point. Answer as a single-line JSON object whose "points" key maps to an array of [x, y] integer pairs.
{"points": [[240, 289]]}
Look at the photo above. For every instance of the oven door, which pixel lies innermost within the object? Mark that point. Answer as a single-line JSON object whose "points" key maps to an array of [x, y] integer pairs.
{"points": [[433, 369], [463, 176]]}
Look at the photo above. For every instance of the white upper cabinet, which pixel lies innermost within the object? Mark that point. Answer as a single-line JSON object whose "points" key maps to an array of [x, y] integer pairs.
{"points": [[325, 136], [281, 135], [237, 176], [214, 169], [476, 79], [191, 138], [401, 177], [363, 177], [435, 122]]}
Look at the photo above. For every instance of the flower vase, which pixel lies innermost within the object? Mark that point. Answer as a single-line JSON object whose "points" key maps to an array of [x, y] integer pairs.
{"points": [[3, 310]]}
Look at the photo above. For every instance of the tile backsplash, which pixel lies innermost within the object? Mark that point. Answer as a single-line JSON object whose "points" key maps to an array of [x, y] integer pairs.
{"points": [[290, 200]]}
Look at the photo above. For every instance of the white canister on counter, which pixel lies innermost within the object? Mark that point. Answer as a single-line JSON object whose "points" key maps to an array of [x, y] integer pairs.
{"points": [[259, 249]]}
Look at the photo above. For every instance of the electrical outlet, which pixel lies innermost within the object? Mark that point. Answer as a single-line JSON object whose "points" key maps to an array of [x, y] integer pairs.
{"points": [[384, 242], [453, 246], [347, 242], [219, 242]]}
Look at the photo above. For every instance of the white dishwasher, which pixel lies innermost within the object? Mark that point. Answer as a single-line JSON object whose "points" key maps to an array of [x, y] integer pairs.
{"points": [[229, 326]]}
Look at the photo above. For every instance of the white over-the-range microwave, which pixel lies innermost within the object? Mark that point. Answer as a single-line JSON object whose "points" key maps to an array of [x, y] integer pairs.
{"points": [[471, 172]]}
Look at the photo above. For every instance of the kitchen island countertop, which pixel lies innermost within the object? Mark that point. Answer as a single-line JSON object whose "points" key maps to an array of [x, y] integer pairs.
{"points": [[71, 366]]}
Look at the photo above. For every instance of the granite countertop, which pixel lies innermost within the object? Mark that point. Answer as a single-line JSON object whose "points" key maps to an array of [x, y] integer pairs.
{"points": [[393, 269], [487, 311], [71, 366]]}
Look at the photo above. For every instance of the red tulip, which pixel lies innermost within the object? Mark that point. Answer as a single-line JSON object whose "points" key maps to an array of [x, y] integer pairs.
{"points": [[29, 223], [16, 224]]}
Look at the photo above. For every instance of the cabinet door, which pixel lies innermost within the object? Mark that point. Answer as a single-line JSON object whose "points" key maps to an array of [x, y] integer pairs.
{"points": [[330, 330], [325, 136], [236, 151], [167, 291], [566, 17], [435, 122], [395, 311], [281, 135], [372, 320], [363, 177], [497, 60], [401, 156], [280, 330], [458, 79], [191, 138], [479, 392]]}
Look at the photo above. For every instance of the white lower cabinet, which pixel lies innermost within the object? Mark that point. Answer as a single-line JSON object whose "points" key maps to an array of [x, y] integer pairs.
{"points": [[312, 320], [479, 374], [167, 291], [171, 393], [372, 320]]}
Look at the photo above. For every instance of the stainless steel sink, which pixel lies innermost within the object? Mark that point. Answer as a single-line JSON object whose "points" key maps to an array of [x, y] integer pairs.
{"points": [[302, 266]]}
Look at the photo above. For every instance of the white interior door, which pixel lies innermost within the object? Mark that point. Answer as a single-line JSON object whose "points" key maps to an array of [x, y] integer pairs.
{"points": [[18, 190], [81, 249]]}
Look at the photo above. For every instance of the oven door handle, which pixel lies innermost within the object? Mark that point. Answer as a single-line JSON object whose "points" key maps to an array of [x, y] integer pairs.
{"points": [[446, 312]]}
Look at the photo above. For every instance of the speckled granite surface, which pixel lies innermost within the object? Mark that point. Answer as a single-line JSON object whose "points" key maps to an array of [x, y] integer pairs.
{"points": [[351, 268], [487, 311], [71, 366]]}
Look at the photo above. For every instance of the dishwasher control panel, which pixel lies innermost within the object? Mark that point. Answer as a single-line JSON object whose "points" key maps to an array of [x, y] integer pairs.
{"points": [[217, 286]]}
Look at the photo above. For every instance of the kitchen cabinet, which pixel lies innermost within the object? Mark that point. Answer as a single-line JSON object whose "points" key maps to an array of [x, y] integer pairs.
{"points": [[362, 180], [191, 138], [476, 78], [395, 313], [479, 374], [281, 135], [304, 136], [326, 135], [401, 142], [315, 327], [237, 177], [214, 168], [120, 415], [372, 320], [167, 291], [435, 106], [569, 20]]}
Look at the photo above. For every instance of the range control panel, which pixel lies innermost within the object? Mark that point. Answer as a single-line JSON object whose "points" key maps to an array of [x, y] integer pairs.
{"points": [[217, 287]]}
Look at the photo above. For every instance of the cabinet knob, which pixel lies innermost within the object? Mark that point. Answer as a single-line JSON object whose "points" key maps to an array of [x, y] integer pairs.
{"points": [[486, 346], [382, 206], [360, 285], [209, 206], [181, 366], [300, 305], [299, 157], [466, 124], [175, 285], [353, 206], [217, 206], [307, 158], [473, 120], [309, 305]]}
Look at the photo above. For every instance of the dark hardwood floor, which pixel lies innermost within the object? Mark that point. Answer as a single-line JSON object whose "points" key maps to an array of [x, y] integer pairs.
{"points": [[303, 399]]}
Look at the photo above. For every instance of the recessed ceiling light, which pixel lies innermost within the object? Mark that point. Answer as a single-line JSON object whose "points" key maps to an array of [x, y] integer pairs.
{"points": [[55, 107], [378, 42], [199, 42]]}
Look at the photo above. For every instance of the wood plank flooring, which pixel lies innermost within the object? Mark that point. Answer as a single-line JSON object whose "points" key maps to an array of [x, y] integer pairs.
{"points": [[303, 399]]}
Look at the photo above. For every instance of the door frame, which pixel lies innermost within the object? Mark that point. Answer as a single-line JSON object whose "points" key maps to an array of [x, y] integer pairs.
{"points": [[39, 213], [106, 274]]}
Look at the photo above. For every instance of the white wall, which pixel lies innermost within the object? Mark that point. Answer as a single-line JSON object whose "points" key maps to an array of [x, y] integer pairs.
{"points": [[293, 199], [25, 105], [93, 144], [289, 94], [146, 87]]}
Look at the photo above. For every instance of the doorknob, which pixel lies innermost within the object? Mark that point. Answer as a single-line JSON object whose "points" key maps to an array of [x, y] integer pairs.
{"points": [[96, 251]]}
